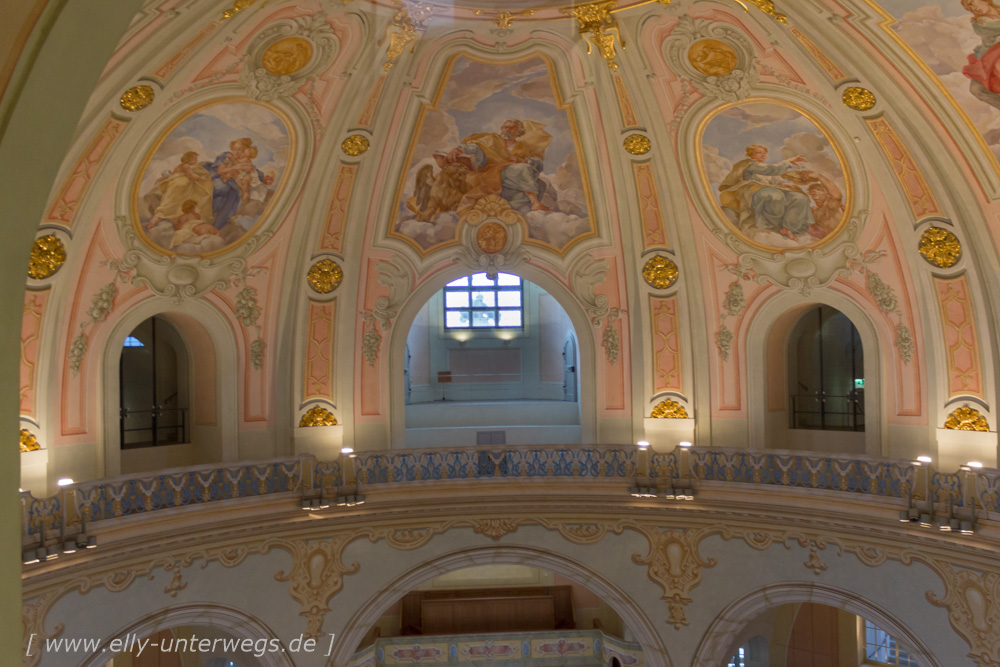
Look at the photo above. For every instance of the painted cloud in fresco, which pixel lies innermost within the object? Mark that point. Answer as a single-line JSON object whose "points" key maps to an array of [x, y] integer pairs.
{"points": [[774, 175], [210, 180], [467, 149], [960, 47]]}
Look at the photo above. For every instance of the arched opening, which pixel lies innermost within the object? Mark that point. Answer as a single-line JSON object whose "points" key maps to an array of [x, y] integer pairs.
{"points": [[826, 382], [190, 389], [510, 576], [153, 376], [491, 361], [805, 625]]}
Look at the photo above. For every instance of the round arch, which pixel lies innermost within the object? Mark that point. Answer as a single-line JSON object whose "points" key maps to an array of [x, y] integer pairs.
{"points": [[716, 646], [408, 312], [239, 623], [634, 618], [769, 330], [210, 344]]}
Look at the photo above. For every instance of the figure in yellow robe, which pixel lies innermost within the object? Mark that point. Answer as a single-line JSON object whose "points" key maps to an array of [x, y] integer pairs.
{"points": [[508, 164]]}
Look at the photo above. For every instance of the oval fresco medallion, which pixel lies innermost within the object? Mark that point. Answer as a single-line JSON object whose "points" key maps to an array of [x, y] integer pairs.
{"points": [[287, 56], [209, 181], [491, 237], [776, 177]]}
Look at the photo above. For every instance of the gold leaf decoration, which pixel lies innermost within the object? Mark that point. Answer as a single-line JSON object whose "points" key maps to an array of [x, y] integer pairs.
{"points": [[238, 6], [637, 144], [940, 247], [355, 145], [495, 528], [324, 276], [47, 255], [29, 443], [859, 99], [136, 98], [318, 416], [503, 18], [767, 6], [966, 419], [675, 564], [408, 23], [660, 272], [669, 410], [597, 22]]}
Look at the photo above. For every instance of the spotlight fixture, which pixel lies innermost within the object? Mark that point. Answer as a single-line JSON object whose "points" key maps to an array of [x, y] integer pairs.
{"points": [[685, 444], [926, 520], [924, 459], [350, 500], [944, 524], [643, 444], [685, 494], [346, 450], [974, 464], [911, 515], [643, 492], [28, 557], [92, 542], [69, 547], [51, 552], [65, 481], [966, 528], [669, 493], [306, 505]]}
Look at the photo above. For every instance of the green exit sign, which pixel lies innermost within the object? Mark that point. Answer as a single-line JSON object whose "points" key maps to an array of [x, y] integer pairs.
{"points": [[859, 383]]}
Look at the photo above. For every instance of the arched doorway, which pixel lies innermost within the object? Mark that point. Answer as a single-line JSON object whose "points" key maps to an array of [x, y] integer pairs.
{"points": [[491, 361]]}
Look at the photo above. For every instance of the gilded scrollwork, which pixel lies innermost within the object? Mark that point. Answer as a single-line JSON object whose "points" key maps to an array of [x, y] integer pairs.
{"points": [[317, 574], [29, 443], [715, 57], [668, 409], [503, 19], [599, 24], [660, 272], [495, 528], [940, 247], [137, 98], [675, 564], [238, 6], [973, 603], [48, 254], [325, 276], [287, 54], [767, 6], [637, 144], [967, 419], [318, 416], [355, 145], [409, 22], [858, 98]]}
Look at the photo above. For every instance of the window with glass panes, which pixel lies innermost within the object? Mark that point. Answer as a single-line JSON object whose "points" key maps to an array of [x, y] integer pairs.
{"points": [[882, 649], [478, 302]]}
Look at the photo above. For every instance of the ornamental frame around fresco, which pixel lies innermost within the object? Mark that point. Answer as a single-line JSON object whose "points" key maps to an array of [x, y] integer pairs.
{"points": [[264, 217], [721, 220], [434, 105]]}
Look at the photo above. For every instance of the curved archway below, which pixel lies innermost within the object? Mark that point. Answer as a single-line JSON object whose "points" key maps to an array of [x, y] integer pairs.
{"points": [[632, 616], [237, 623], [718, 642]]}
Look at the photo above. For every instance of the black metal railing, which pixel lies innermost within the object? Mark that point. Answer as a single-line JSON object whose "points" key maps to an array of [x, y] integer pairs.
{"points": [[824, 412], [164, 426]]}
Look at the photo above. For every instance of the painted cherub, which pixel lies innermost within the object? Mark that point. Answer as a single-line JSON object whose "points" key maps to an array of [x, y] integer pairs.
{"points": [[983, 67], [188, 181], [189, 226]]}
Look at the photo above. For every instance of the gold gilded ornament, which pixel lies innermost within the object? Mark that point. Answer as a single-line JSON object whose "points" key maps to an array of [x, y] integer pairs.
{"points": [[29, 443], [325, 276], [637, 144], [47, 255], [660, 272], [712, 57], [967, 419], [318, 416], [597, 22], [137, 97], [859, 99], [940, 247], [668, 410], [355, 145], [287, 56], [238, 6], [767, 6], [503, 18], [491, 237]]}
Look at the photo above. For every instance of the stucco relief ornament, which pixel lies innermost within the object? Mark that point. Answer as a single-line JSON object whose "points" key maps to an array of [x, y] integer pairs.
{"points": [[48, 254], [660, 272], [285, 54], [940, 247], [597, 22], [325, 276], [716, 58], [668, 409], [137, 98], [967, 419], [318, 416], [491, 237], [859, 99], [583, 279]]}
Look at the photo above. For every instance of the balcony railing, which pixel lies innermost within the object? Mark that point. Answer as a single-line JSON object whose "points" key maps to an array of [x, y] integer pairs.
{"points": [[79, 506]]}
